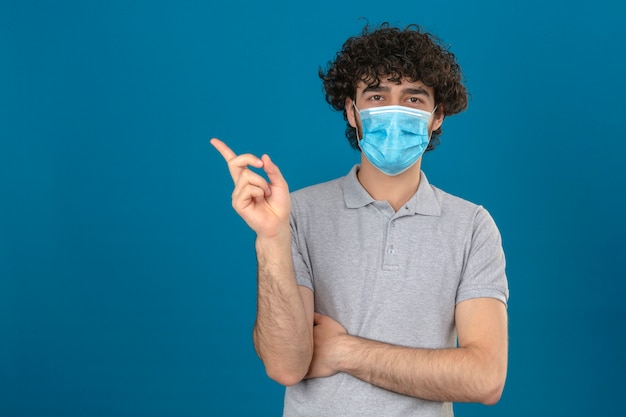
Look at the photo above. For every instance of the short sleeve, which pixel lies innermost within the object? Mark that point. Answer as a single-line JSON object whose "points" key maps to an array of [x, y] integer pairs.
{"points": [[301, 264], [484, 267]]}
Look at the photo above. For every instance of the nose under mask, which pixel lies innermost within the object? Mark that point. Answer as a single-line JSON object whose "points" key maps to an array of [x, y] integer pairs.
{"points": [[394, 137]]}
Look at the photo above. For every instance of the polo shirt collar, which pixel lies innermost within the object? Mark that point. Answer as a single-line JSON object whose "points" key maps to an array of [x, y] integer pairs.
{"points": [[423, 201]]}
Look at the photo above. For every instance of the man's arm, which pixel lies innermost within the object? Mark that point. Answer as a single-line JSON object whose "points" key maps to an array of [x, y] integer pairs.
{"points": [[283, 331], [473, 372]]}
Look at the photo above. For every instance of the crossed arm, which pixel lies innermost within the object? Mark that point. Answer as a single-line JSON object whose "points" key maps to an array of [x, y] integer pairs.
{"points": [[295, 343], [475, 371]]}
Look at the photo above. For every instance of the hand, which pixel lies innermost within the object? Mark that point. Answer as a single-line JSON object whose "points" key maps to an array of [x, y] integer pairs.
{"points": [[327, 352], [264, 206]]}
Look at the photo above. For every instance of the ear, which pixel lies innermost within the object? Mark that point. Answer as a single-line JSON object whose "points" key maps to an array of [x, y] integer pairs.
{"points": [[350, 112]]}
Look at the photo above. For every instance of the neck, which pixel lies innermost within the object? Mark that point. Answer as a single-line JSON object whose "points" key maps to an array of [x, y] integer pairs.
{"points": [[396, 190]]}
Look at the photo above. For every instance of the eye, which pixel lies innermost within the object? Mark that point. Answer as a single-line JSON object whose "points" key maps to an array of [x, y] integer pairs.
{"points": [[414, 100], [376, 97]]}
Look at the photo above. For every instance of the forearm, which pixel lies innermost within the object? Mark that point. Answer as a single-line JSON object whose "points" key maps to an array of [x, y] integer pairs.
{"points": [[465, 374], [282, 333]]}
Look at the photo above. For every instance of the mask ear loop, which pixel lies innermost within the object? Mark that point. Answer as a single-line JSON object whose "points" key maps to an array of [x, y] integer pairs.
{"points": [[358, 139], [430, 135]]}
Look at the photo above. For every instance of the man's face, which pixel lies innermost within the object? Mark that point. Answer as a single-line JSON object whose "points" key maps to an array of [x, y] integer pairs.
{"points": [[411, 94]]}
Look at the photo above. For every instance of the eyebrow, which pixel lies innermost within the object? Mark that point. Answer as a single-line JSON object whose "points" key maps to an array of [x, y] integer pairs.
{"points": [[375, 88], [408, 90], [418, 90]]}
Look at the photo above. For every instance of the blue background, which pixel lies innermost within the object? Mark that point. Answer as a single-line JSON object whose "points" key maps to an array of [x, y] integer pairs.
{"points": [[127, 282]]}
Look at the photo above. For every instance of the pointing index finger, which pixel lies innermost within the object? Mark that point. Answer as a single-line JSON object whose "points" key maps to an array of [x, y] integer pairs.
{"points": [[223, 149], [237, 164], [233, 160]]}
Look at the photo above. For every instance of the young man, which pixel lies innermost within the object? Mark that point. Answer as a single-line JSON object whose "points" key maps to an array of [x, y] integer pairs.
{"points": [[378, 294]]}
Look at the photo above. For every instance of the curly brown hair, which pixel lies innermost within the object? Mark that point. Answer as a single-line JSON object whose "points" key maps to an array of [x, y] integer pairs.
{"points": [[409, 53]]}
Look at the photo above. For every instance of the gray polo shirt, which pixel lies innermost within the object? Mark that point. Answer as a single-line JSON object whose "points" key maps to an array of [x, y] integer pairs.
{"points": [[389, 276]]}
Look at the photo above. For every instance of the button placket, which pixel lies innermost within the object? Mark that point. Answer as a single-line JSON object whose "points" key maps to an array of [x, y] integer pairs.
{"points": [[389, 261]]}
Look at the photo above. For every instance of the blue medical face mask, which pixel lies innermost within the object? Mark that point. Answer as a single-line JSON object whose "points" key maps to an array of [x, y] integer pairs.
{"points": [[394, 137]]}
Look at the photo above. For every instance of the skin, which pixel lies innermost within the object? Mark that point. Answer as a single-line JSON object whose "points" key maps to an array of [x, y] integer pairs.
{"points": [[295, 343]]}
